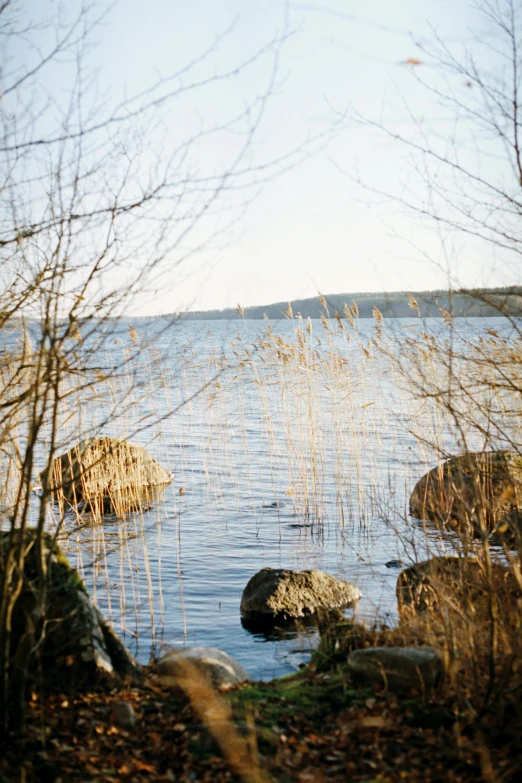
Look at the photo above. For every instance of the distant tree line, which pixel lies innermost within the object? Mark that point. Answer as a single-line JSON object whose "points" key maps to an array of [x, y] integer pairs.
{"points": [[398, 304]]}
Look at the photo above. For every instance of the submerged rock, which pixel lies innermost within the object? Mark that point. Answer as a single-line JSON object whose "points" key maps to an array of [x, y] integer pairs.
{"points": [[398, 668], [65, 637], [474, 492], [279, 593], [107, 475], [456, 584], [221, 669]]}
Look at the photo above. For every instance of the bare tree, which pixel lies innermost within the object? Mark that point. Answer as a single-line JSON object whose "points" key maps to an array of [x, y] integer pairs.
{"points": [[91, 217], [464, 174], [462, 179]]}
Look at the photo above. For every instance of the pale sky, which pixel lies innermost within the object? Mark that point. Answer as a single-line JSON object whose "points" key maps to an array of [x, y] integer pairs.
{"points": [[311, 228]]}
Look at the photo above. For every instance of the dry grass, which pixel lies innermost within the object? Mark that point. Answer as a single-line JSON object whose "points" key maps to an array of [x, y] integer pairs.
{"points": [[239, 750]]}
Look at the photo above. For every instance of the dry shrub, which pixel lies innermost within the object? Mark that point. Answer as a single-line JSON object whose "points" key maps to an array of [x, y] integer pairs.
{"points": [[469, 609], [467, 379], [479, 494]]}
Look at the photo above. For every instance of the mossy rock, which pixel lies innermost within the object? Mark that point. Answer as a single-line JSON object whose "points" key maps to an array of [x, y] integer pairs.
{"points": [[107, 475], [57, 633], [479, 493]]}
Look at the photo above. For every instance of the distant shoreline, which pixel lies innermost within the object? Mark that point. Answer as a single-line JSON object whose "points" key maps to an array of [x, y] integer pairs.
{"points": [[485, 303], [471, 303]]}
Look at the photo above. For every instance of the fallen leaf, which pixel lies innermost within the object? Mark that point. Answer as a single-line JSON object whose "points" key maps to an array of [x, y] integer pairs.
{"points": [[375, 722], [141, 766]]}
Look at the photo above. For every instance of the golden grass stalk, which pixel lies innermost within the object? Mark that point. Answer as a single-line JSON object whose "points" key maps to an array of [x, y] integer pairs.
{"points": [[216, 714]]}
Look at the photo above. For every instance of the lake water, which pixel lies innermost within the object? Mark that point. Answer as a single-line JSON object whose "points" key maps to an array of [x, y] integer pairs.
{"points": [[300, 453]]}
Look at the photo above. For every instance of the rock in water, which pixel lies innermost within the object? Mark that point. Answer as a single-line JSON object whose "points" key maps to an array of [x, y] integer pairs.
{"points": [[221, 669], [398, 668], [107, 475], [78, 647], [278, 593], [474, 492], [457, 585]]}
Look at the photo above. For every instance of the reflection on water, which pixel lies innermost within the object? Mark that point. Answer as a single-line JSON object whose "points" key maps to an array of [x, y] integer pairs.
{"points": [[281, 630]]}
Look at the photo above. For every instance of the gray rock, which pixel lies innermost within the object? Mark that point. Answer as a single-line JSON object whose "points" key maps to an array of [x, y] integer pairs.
{"points": [[107, 474], [121, 659], [84, 624], [398, 668], [221, 669], [278, 593], [122, 714], [475, 492]]}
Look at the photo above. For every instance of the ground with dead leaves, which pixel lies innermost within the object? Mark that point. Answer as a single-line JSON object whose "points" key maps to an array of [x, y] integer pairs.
{"points": [[311, 727]]}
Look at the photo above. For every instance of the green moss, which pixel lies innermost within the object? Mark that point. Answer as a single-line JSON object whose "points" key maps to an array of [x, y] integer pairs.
{"points": [[67, 578], [62, 576], [306, 693], [274, 707]]}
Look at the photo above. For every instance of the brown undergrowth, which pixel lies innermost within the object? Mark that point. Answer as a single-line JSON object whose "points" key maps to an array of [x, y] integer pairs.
{"points": [[312, 727]]}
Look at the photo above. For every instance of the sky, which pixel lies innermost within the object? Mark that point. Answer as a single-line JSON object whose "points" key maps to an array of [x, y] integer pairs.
{"points": [[305, 217]]}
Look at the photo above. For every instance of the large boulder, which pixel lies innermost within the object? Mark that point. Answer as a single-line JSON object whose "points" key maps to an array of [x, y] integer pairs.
{"points": [[475, 492], [218, 667], [398, 668], [461, 586], [57, 632], [107, 475], [282, 594]]}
